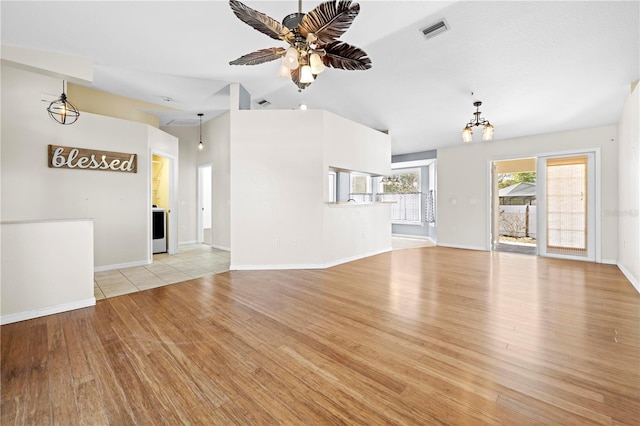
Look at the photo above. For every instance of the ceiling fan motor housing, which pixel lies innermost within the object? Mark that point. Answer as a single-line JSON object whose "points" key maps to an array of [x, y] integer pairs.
{"points": [[291, 21]]}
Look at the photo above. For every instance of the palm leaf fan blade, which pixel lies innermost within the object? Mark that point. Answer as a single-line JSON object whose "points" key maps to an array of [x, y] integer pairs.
{"points": [[345, 56], [260, 56], [259, 21], [329, 20]]}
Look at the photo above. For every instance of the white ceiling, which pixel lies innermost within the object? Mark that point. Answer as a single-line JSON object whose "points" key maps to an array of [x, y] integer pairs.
{"points": [[538, 67]]}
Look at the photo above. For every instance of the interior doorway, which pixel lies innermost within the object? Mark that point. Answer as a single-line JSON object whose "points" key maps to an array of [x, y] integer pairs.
{"points": [[204, 204], [514, 206], [163, 199]]}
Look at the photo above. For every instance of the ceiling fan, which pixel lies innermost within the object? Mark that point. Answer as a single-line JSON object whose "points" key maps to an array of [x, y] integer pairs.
{"points": [[312, 37]]}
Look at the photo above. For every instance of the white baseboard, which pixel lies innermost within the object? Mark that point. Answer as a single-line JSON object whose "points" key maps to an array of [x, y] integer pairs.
{"points": [[186, 243], [463, 247], [220, 247], [121, 266], [413, 237], [306, 265], [634, 282], [609, 261], [47, 310]]}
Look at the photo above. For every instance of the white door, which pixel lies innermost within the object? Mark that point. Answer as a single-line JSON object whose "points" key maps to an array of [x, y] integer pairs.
{"points": [[567, 206], [204, 204]]}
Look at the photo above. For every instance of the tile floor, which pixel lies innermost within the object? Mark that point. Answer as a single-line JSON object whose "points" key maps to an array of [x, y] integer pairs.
{"points": [[192, 261]]}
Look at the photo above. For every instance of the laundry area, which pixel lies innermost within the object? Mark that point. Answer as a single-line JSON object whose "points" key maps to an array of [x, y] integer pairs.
{"points": [[159, 203]]}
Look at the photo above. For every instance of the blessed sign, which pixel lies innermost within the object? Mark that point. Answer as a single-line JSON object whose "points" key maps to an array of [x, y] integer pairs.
{"points": [[79, 158]]}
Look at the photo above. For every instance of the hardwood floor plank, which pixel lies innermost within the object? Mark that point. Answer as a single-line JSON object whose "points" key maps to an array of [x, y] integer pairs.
{"points": [[61, 389], [411, 337], [15, 372], [38, 405]]}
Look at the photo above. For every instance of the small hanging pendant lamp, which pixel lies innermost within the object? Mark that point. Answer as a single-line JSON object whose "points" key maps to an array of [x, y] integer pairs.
{"points": [[200, 145], [62, 111]]}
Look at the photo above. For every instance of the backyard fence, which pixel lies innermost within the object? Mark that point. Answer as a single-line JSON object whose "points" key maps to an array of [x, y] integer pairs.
{"points": [[518, 221]]}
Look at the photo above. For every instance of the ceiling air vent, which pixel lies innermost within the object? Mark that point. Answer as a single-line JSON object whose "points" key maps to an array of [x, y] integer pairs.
{"points": [[435, 29], [263, 103]]}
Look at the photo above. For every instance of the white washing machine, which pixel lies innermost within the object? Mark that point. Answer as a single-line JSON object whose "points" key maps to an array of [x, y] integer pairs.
{"points": [[159, 229]]}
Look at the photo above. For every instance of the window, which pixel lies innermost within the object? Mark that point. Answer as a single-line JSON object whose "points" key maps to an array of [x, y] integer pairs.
{"points": [[360, 187], [332, 186], [404, 189]]}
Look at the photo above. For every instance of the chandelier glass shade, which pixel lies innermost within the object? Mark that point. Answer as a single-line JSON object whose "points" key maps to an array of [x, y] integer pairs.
{"points": [[467, 132], [62, 111]]}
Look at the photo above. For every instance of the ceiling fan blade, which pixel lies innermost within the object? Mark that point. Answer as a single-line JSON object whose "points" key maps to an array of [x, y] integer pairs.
{"points": [[295, 77], [344, 56], [260, 21], [260, 56], [329, 20]]}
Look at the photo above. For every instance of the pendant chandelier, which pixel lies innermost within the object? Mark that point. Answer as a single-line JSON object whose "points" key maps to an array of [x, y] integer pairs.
{"points": [[200, 145], [487, 133], [62, 111]]}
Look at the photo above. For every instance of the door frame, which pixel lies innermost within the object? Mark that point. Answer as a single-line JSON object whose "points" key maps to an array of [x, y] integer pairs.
{"points": [[594, 208], [597, 168], [200, 203], [172, 213]]}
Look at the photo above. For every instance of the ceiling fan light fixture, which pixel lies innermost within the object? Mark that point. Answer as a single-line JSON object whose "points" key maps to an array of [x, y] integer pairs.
{"points": [[306, 76], [284, 71], [315, 32], [290, 59], [316, 63]]}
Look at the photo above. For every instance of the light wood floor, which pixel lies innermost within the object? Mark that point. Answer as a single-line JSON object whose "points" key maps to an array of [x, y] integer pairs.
{"points": [[415, 337]]}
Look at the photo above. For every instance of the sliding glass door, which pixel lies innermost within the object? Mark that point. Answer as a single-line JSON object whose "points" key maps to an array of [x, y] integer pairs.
{"points": [[566, 203]]}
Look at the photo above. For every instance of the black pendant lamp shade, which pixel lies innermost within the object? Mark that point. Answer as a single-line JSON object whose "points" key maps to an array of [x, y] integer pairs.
{"points": [[62, 111]]}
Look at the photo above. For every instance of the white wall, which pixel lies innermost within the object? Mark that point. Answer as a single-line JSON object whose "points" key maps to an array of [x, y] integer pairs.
{"points": [[216, 151], [276, 188], [355, 147], [629, 189], [119, 203], [47, 267], [352, 232], [463, 183], [216, 135], [187, 180], [279, 188]]}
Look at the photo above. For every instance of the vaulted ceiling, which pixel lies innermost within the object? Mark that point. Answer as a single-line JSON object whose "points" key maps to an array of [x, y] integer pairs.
{"points": [[538, 67]]}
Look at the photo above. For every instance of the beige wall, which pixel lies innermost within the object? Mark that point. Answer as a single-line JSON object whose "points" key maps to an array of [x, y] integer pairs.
{"points": [[463, 184], [98, 102]]}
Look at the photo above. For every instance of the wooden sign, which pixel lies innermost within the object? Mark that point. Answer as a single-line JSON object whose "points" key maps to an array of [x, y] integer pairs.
{"points": [[64, 157]]}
